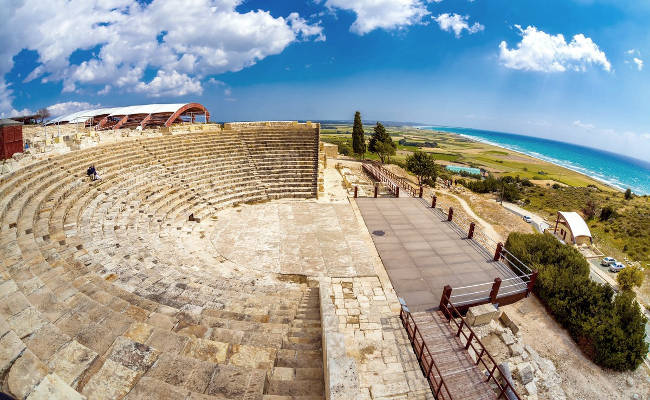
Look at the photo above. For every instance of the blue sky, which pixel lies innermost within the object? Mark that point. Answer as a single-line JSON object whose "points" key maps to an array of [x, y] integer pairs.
{"points": [[494, 64]]}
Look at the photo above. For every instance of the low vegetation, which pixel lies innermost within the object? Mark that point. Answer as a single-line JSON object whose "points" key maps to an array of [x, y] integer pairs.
{"points": [[506, 187], [423, 166], [620, 226], [609, 329]]}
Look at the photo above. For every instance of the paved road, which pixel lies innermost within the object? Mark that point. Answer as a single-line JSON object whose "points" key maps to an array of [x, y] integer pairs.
{"points": [[538, 222]]}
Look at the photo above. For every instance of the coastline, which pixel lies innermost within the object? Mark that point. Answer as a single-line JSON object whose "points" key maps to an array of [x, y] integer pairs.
{"points": [[537, 156]]}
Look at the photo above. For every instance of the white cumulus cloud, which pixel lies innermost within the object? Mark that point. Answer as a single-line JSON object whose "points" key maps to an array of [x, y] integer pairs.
{"points": [[170, 84], [457, 23], [381, 14], [635, 58], [182, 41], [69, 107], [540, 51], [583, 125]]}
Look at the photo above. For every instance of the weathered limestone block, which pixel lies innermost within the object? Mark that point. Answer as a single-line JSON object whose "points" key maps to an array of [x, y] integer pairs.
{"points": [[531, 388], [26, 373], [182, 371], [26, 321], [53, 387], [71, 361], [508, 322], [507, 337], [149, 388], [525, 372], [253, 357], [516, 349], [10, 348], [207, 350], [112, 381], [481, 315]]}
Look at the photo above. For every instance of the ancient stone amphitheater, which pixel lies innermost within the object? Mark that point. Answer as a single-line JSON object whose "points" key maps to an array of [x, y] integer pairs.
{"points": [[201, 266]]}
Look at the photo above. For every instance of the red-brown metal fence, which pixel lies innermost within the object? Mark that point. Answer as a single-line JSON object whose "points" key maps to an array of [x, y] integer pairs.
{"points": [[472, 341], [422, 352]]}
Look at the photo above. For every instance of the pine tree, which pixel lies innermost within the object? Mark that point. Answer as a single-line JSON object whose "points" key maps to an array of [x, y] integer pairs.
{"points": [[423, 166], [358, 140], [381, 143]]}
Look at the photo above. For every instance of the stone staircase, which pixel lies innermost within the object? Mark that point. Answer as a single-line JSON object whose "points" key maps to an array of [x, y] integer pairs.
{"points": [[298, 372], [106, 290]]}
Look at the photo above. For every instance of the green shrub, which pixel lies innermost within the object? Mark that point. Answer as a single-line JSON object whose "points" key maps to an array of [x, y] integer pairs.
{"points": [[610, 330], [606, 213], [345, 149]]}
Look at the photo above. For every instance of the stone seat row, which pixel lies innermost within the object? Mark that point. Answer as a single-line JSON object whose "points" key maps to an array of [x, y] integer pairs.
{"points": [[56, 207]]}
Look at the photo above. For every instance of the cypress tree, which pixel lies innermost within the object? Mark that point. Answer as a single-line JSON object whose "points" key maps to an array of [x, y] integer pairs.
{"points": [[358, 141]]}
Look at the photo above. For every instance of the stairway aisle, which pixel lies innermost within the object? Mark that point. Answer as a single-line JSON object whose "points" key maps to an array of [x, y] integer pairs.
{"points": [[462, 376], [298, 370]]}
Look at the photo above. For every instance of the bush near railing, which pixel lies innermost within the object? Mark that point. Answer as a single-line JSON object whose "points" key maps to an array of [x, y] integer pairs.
{"points": [[609, 329]]}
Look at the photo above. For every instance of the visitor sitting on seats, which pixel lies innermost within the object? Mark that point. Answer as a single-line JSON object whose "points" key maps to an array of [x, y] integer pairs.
{"points": [[92, 173]]}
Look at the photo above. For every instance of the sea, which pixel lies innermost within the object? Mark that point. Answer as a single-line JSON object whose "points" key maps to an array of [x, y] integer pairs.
{"points": [[613, 169]]}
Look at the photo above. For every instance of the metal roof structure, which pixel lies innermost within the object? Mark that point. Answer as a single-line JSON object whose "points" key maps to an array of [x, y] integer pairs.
{"points": [[575, 222], [132, 116], [9, 122]]}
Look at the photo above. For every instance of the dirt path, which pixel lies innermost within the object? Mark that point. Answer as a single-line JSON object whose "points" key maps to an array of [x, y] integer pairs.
{"points": [[487, 228]]}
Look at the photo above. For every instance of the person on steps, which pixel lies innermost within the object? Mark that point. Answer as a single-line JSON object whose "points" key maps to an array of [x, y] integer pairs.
{"points": [[92, 173]]}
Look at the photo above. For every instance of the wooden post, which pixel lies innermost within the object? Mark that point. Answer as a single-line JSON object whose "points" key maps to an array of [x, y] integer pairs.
{"points": [[451, 214], [376, 189], [497, 252], [397, 191], [356, 191], [470, 234], [433, 201], [495, 290], [444, 300], [531, 283], [421, 191]]}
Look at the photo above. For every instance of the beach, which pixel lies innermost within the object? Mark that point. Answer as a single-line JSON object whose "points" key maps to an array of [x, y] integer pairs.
{"points": [[615, 170]]}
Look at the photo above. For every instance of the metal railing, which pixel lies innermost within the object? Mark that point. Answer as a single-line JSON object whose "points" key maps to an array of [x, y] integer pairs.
{"points": [[422, 352], [483, 356], [482, 293]]}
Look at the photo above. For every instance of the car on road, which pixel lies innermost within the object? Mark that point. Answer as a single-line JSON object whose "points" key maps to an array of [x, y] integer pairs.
{"points": [[528, 219], [616, 267], [607, 261]]}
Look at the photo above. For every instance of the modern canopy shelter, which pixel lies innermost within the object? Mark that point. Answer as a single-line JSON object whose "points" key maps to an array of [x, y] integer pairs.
{"points": [[136, 116], [572, 228]]}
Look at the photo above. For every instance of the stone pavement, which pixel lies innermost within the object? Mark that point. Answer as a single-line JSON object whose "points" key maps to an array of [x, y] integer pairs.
{"points": [[293, 237], [421, 253]]}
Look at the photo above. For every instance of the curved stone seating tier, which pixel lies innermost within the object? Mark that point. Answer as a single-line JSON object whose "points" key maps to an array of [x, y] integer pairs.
{"points": [[109, 290]]}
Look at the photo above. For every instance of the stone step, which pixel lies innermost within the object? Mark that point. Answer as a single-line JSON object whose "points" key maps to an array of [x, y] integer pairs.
{"points": [[299, 358], [296, 387]]}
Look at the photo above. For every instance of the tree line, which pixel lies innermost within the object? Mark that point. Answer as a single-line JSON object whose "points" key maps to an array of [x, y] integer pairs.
{"points": [[420, 164]]}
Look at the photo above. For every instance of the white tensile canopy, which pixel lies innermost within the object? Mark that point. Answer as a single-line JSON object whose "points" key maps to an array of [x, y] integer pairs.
{"points": [[85, 115]]}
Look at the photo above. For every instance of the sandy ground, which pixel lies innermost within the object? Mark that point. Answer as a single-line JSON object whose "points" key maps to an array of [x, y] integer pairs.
{"points": [[581, 378]]}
